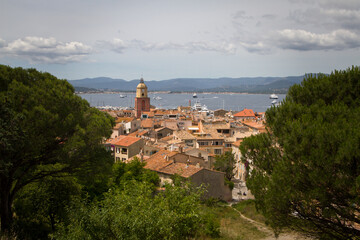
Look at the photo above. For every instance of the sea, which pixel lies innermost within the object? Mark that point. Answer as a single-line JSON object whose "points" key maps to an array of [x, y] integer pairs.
{"points": [[213, 101]]}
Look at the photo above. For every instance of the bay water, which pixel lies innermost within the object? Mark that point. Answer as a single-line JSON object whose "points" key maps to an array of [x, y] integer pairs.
{"points": [[213, 101]]}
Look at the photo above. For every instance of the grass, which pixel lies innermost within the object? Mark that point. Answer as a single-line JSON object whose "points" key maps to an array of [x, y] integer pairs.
{"points": [[248, 209], [232, 226]]}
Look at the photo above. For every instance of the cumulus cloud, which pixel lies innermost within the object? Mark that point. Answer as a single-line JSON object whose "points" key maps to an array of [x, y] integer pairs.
{"points": [[46, 50], [305, 41], [118, 45]]}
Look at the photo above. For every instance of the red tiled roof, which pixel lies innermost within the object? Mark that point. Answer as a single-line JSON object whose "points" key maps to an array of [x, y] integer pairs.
{"points": [[138, 133], [147, 123], [158, 160], [162, 162], [183, 169], [237, 143], [149, 113], [124, 119], [113, 140], [255, 125], [245, 113], [126, 141]]}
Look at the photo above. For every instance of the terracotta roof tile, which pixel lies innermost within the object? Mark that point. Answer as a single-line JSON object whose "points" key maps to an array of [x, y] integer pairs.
{"points": [[126, 141], [158, 160], [147, 123], [124, 119], [183, 169], [113, 140], [255, 125], [245, 113], [183, 135], [138, 133], [237, 143]]}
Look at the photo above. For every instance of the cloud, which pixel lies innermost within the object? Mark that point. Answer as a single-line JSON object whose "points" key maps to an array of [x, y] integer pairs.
{"points": [[118, 45], [2, 43], [241, 15], [302, 40], [343, 4], [46, 50], [256, 47], [329, 15], [269, 16]]}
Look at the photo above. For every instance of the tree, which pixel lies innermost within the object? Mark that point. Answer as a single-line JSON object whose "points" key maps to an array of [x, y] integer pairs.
{"points": [[306, 168], [41, 205], [135, 212], [134, 170], [225, 163], [45, 130]]}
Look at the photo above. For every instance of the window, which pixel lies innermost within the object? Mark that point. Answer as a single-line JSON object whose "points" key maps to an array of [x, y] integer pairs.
{"points": [[217, 151], [117, 159], [117, 150], [123, 159], [226, 131], [124, 150]]}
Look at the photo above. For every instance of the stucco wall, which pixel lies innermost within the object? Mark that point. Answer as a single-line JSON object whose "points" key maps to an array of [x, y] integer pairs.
{"points": [[216, 187]]}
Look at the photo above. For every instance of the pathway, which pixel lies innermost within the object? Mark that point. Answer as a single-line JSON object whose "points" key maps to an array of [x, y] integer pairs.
{"points": [[262, 227]]}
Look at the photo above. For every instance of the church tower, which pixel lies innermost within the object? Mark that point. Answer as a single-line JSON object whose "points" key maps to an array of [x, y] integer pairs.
{"points": [[142, 101]]}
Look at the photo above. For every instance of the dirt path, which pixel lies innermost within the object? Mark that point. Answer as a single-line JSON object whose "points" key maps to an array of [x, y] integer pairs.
{"points": [[262, 227]]}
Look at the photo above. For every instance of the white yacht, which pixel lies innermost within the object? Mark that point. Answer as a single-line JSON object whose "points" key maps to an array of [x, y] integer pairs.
{"points": [[274, 102], [194, 95], [122, 96], [197, 106], [274, 96]]}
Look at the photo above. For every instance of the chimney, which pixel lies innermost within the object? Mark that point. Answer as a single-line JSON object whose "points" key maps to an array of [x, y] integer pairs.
{"points": [[141, 156]]}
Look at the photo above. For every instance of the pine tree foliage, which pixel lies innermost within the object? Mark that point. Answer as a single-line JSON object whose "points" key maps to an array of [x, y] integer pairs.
{"points": [[45, 130], [305, 171]]}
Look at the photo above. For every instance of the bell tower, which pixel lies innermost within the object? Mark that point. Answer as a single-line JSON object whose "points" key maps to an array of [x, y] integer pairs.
{"points": [[142, 101]]}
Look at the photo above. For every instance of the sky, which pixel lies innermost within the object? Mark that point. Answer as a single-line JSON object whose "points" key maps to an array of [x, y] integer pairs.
{"points": [[164, 39]]}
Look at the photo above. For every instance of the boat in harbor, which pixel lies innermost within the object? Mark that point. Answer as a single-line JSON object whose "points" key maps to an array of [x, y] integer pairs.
{"points": [[122, 96], [197, 106], [157, 98], [274, 96], [273, 102], [194, 95]]}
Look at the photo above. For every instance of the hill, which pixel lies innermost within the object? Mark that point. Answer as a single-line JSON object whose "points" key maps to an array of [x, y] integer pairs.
{"points": [[253, 85]]}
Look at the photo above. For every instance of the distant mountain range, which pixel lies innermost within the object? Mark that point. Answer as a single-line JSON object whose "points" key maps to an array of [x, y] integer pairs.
{"points": [[249, 85]]}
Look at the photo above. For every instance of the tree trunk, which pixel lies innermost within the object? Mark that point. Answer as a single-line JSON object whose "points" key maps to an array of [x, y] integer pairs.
{"points": [[5, 209]]}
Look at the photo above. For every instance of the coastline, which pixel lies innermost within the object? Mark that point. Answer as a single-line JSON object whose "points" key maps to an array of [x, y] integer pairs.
{"points": [[169, 92]]}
